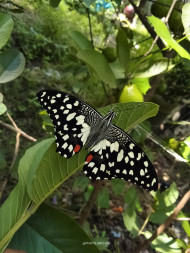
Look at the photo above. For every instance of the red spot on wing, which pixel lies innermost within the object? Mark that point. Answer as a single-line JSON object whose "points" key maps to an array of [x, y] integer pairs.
{"points": [[89, 158], [77, 148]]}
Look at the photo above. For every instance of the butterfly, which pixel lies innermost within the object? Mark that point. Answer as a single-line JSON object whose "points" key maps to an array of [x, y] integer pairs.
{"points": [[113, 154]]}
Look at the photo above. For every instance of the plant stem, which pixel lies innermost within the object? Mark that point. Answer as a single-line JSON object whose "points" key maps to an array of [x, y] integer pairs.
{"points": [[90, 203]]}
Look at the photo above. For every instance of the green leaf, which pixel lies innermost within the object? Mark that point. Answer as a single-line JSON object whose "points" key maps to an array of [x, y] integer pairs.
{"points": [[130, 217], [166, 204], [99, 64], [81, 182], [142, 84], [151, 68], [132, 199], [117, 69], [185, 223], [102, 242], [131, 222], [163, 32], [6, 27], [48, 169], [11, 213], [185, 148], [123, 49], [130, 114], [164, 243], [103, 198], [12, 64], [1, 97], [80, 40], [49, 230], [186, 19], [118, 185], [3, 108]]}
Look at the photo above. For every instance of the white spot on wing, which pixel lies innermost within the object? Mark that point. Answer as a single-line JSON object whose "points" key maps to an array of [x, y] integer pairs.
{"points": [[146, 164], [131, 146], [139, 156], [126, 159], [102, 167], [76, 103], [131, 154], [69, 106], [43, 94], [95, 170], [71, 116], [120, 155], [58, 95], [65, 145], [65, 137], [65, 100], [142, 172]]}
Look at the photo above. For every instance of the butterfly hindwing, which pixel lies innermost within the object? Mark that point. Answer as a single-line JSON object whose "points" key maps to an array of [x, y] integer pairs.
{"points": [[117, 156], [72, 120]]}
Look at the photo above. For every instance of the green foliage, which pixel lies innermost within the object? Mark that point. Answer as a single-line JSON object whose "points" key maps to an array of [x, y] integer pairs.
{"points": [[164, 243], [56, 232], [163, 32], [41, 170], [103, 198], [81, 40], [117, 186], [6, 27], [3, 108], [142, 84], [185, 148], [81, 182], [130, 217], [99, 64], [186, 19], [123, 49], [185, 223], [12, 64], [165, 204]]}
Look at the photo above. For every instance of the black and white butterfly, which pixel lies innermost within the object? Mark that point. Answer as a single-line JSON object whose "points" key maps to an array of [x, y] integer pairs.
{"points": [[113, 154]]}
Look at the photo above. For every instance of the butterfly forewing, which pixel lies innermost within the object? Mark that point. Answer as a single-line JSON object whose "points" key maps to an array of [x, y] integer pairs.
{"points": [[117, 156], [72, 120]]}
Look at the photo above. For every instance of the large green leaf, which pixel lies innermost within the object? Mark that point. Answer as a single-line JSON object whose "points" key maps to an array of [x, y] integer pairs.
{"points": [[6, 27], [166, 204], [81, 40], [151, 68], [12, 64], [123, 49], [56, 232], [130, 114], [164, 243], [99, 64], [11, 213], [186, 19], [163, 32]]}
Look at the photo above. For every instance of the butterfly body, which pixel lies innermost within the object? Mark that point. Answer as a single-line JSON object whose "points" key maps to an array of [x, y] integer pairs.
{"points": [[113, 154]]}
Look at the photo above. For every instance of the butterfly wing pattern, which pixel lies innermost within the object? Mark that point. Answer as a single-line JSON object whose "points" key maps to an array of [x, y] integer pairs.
{"points": [[115, 155]]}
